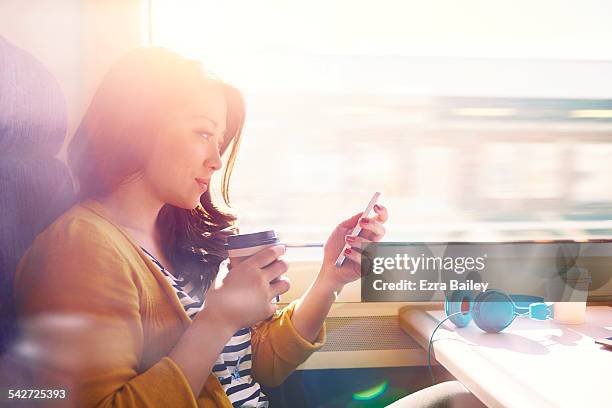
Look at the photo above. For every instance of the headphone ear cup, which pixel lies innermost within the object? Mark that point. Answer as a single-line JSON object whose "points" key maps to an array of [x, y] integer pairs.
{"points": [[493, 311], [459, 301]]}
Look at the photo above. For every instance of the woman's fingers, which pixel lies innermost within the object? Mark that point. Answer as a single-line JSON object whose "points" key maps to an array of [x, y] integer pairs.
{"points": [[356, 241], [275, 269], [268, 255], [279, 286], [353, 254], [358, 245], [382, 215], [373, 229]]}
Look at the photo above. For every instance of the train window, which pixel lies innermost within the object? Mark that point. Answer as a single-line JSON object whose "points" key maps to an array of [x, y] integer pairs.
{"points": [[471, 128]]}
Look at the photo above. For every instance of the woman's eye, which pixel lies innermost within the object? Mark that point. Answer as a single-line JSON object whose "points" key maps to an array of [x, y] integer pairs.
{"points": [[205, 135]]}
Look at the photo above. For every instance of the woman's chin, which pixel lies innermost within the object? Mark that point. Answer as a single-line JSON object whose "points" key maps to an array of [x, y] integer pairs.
{"points": [[187, 203], [197, 202]]}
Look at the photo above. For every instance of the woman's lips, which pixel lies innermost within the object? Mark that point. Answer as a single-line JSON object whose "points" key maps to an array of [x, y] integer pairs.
{"points": [[202, 183]]}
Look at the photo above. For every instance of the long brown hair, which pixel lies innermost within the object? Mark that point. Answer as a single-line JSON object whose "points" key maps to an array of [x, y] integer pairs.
{"points": [[114, 140]]}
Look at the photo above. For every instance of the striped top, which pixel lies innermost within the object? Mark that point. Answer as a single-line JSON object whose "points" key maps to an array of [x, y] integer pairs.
{"points": [[233, 366]]}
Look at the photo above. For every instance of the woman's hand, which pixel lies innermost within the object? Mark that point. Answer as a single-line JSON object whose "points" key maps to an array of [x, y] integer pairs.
{"points": [[372, 230], [312, 308], [243, 296]]}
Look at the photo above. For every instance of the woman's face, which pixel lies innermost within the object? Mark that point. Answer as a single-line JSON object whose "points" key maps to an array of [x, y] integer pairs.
{"points": [[186, 153]]}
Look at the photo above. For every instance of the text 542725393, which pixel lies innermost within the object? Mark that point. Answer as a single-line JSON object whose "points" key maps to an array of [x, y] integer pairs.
{"points": [[12, 394]]}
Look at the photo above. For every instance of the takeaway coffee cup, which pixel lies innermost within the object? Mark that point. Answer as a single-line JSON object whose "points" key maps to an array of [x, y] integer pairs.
{"points": [[240, 247]]}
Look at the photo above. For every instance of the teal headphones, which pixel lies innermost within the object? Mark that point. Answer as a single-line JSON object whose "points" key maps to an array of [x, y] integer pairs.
{"points": [[493, 310]]}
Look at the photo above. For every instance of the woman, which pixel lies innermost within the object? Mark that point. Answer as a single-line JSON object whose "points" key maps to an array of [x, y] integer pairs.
{"points": [[111, 295]]}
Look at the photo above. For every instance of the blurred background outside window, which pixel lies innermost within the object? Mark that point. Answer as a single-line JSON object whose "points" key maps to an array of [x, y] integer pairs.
{"points": [[477, 120]]}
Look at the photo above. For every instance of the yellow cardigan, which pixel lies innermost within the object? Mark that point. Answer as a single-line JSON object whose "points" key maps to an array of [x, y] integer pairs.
{"points": [[100, 319]]}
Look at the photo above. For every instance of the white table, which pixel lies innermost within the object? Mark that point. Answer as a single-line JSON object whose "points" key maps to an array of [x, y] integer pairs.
{"points": [[530, 364]]}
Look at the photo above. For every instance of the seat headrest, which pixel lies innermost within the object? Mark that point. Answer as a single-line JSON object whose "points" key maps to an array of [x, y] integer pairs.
{"points": [[33, 112]]}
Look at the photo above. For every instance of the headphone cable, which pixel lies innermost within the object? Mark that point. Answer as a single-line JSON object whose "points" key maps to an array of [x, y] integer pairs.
{"points": [[429, 347]]}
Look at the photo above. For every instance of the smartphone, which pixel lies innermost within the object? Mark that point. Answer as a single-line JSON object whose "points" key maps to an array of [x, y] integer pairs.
{"points": [[357, 228]]}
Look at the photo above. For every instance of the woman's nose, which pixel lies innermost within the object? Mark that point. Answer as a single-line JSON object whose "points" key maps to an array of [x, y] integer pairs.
{"points": [[214, 161]]}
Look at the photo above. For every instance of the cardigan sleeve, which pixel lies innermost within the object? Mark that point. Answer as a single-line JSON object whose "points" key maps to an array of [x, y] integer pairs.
{"points": [[78, 307], [278, 348]]}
